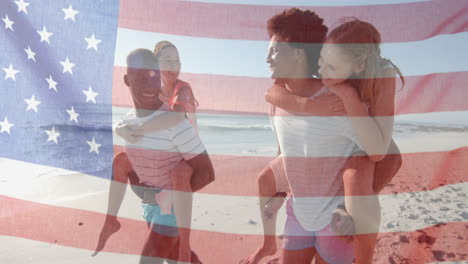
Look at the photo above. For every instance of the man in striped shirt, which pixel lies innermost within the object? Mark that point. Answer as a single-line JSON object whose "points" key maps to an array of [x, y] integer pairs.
{"points": [[170, 163]]}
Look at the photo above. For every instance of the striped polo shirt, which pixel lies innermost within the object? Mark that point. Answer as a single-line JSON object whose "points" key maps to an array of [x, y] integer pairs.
{"points": [[313, 151], [158, 152]]}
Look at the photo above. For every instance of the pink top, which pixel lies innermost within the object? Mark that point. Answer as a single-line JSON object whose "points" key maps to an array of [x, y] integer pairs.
{"points": [[182, 95]]}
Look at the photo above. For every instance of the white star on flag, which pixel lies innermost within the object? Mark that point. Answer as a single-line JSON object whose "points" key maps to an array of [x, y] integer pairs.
{"points": [[73, 115], [22, 6], [70, 13], [53, 135], [93, 146], [30, 53], [67, 66], [92, 42], [45, 35], [8, 23], [5, 126], [90, 95], [32, 103], [10, 73], [52, 83]]}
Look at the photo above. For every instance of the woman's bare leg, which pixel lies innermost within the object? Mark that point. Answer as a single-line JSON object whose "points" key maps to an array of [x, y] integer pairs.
{"points": [[386, 169], [362, 204], [266, 190], [303, 256]]}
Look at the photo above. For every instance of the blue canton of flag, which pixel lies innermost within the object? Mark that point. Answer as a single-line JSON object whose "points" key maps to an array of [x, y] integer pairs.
{"points": [[56, 66]]}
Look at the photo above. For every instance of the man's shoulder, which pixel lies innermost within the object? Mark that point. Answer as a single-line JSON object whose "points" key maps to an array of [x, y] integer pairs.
{"points": [[129, 115], [130, 118]]}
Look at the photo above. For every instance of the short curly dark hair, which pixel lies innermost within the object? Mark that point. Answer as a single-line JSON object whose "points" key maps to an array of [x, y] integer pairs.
{"points": [[141, 58], [302, 29]]}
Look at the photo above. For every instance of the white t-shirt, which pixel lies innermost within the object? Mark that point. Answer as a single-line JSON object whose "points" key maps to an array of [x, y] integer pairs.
{"points": [[314, 150], [158, 152]]}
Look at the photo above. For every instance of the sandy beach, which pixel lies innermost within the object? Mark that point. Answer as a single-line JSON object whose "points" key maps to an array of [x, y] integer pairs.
{"points": [[424, 214]]}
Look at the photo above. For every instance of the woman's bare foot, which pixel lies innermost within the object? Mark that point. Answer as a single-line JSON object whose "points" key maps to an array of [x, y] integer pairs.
{"points": [[259, 254], [274, 260]]}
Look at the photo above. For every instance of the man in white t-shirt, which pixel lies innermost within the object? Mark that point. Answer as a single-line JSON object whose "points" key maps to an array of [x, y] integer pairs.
{"points": [[312, 150]]}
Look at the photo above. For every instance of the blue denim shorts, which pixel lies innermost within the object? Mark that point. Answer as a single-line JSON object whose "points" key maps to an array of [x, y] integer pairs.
{"points": [[329, 246], [165, 225]]}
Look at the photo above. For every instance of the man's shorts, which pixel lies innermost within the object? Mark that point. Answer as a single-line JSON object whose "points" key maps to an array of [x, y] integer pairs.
{"points": [[329, 246], [162, 224]]}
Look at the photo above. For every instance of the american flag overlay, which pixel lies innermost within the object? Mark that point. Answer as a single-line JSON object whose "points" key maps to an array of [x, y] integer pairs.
{"points": [[57, 70], [62, 67]]}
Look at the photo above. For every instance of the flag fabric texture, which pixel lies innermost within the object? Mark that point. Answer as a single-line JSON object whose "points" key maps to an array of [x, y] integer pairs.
{"points": [[61, 89]]}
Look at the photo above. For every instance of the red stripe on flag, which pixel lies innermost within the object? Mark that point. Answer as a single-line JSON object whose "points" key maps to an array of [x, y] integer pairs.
{"points": [[232, 94], [396, 22], [432, 93], [80, 229], [419, 172]]}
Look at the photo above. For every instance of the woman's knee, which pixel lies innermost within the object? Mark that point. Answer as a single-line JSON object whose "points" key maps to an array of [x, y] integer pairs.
{"points": [[385, 170], [350, 176], [266, 181], [120, 161], [358, 178], [121, 167]]}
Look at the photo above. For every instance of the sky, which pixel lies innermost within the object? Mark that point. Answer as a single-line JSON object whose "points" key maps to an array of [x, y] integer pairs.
{"points": [[443, 53]]}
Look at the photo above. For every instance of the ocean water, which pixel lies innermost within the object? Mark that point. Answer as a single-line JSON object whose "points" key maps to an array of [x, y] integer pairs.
{"points": [[249, 135], [237, 135]]}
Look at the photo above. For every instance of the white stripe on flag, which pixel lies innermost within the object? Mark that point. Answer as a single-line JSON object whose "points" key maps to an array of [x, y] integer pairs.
{"points": [[440, 54], [416, 141]]}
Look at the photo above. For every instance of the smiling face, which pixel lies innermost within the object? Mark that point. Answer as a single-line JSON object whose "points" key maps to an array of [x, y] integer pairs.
{"points": [[145, 85], [169, 63], [282, 59], [335, 66]]}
